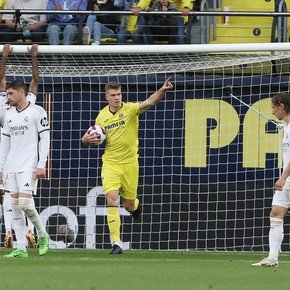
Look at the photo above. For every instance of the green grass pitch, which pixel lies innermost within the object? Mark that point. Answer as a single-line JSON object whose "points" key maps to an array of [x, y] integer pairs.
{"points": [[137, 270]]}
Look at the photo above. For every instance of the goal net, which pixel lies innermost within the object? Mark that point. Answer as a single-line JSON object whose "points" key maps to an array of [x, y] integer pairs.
{"points": [[208, 161]]}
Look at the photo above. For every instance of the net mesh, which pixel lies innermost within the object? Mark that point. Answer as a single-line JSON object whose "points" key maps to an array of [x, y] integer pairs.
{"points": [[112, 65], [207, 161]]}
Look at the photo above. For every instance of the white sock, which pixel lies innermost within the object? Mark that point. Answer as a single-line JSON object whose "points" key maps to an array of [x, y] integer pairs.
{"points": [[32, 214], [7, 210], [30, 226], [118, 244], [276, 236], [19, 225]]}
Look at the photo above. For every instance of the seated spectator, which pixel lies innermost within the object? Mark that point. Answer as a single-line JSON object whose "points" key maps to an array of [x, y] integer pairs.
{"points": [[129, 27], [64, 23], [101, 25], [159, 27], [184, 6], [30, 26]]}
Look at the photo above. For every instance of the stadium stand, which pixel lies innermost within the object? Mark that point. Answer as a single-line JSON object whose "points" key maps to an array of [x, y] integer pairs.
{"points": [[210, 29], [247, 29]]}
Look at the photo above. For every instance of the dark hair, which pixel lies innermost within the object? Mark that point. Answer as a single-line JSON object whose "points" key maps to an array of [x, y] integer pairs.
{"points": [[112, 86], [17, 85], [282, 98]]}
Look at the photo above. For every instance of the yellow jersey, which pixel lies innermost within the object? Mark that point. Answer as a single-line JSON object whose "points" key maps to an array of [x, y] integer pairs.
{"points": [[121, 132]]}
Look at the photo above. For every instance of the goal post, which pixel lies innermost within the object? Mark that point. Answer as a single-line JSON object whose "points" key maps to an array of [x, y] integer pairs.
{"points": [[209, 152]]}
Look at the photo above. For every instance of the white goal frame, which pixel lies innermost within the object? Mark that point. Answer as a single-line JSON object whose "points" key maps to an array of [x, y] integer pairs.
{"points": [[205, 184], [142, 49]]}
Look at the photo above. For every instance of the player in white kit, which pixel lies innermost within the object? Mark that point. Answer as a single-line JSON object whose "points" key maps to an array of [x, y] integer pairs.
{"points": [[25, 127], [4, 106], [281, 197]]}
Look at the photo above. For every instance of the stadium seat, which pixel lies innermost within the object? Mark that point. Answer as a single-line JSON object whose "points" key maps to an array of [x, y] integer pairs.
{"points": [[246, 29]]}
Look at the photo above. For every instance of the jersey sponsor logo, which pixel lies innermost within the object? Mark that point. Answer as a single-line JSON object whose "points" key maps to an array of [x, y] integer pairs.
{"points": [[18, 130], [44, 122], [115, 125]]}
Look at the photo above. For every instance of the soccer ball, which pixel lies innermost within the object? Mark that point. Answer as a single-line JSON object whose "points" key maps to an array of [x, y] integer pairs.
{"points": [[65, 233], [99, 132]]}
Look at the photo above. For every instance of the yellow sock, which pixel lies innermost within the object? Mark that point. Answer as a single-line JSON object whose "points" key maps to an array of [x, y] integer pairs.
{"points": [[136, 203], [114, 223]]}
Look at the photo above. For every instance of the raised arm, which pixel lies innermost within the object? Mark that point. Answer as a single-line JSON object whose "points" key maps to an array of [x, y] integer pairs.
{"points": [[156, 97], [33, 87], [7, 49]]}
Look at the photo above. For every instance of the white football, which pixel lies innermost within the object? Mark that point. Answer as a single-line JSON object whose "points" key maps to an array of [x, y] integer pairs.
{"points": [[99, 132]]}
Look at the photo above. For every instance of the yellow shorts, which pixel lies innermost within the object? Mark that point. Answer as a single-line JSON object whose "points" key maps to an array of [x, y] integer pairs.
{"points": [[123, 177]]}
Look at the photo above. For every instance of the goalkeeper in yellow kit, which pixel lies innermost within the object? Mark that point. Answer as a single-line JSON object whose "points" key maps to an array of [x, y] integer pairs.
{"points": [[120, 170]]}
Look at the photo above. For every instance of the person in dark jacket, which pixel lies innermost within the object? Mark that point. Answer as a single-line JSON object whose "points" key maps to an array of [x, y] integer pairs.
{"points": [[160, 27], [100, 25]]}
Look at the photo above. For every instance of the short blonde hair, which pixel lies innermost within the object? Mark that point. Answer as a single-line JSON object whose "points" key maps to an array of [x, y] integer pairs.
{"points": [[112, 86]]}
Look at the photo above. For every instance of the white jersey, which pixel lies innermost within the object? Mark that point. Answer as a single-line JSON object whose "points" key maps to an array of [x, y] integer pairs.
{"points": [[23, 129], [4, 106], [286, 150]]}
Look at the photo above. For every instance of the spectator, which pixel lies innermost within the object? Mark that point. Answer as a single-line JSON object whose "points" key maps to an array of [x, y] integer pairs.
{"points": [[160, 27], [181, 5], [27, 25], [103, 25], [184, 6], [129, 27], [68, 24]]}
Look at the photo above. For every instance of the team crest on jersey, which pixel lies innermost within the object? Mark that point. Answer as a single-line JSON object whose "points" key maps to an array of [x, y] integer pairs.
{"points": [[25, 119], [121, 115], [44, 122]]}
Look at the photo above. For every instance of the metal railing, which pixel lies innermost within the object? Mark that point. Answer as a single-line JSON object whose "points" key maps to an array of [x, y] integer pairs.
{"points": [[197, 13], [207, 17], [282, 21]]}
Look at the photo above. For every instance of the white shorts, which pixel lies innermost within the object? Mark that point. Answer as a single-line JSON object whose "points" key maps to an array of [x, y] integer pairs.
{"points": [[21, 182], [282, 198]]}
